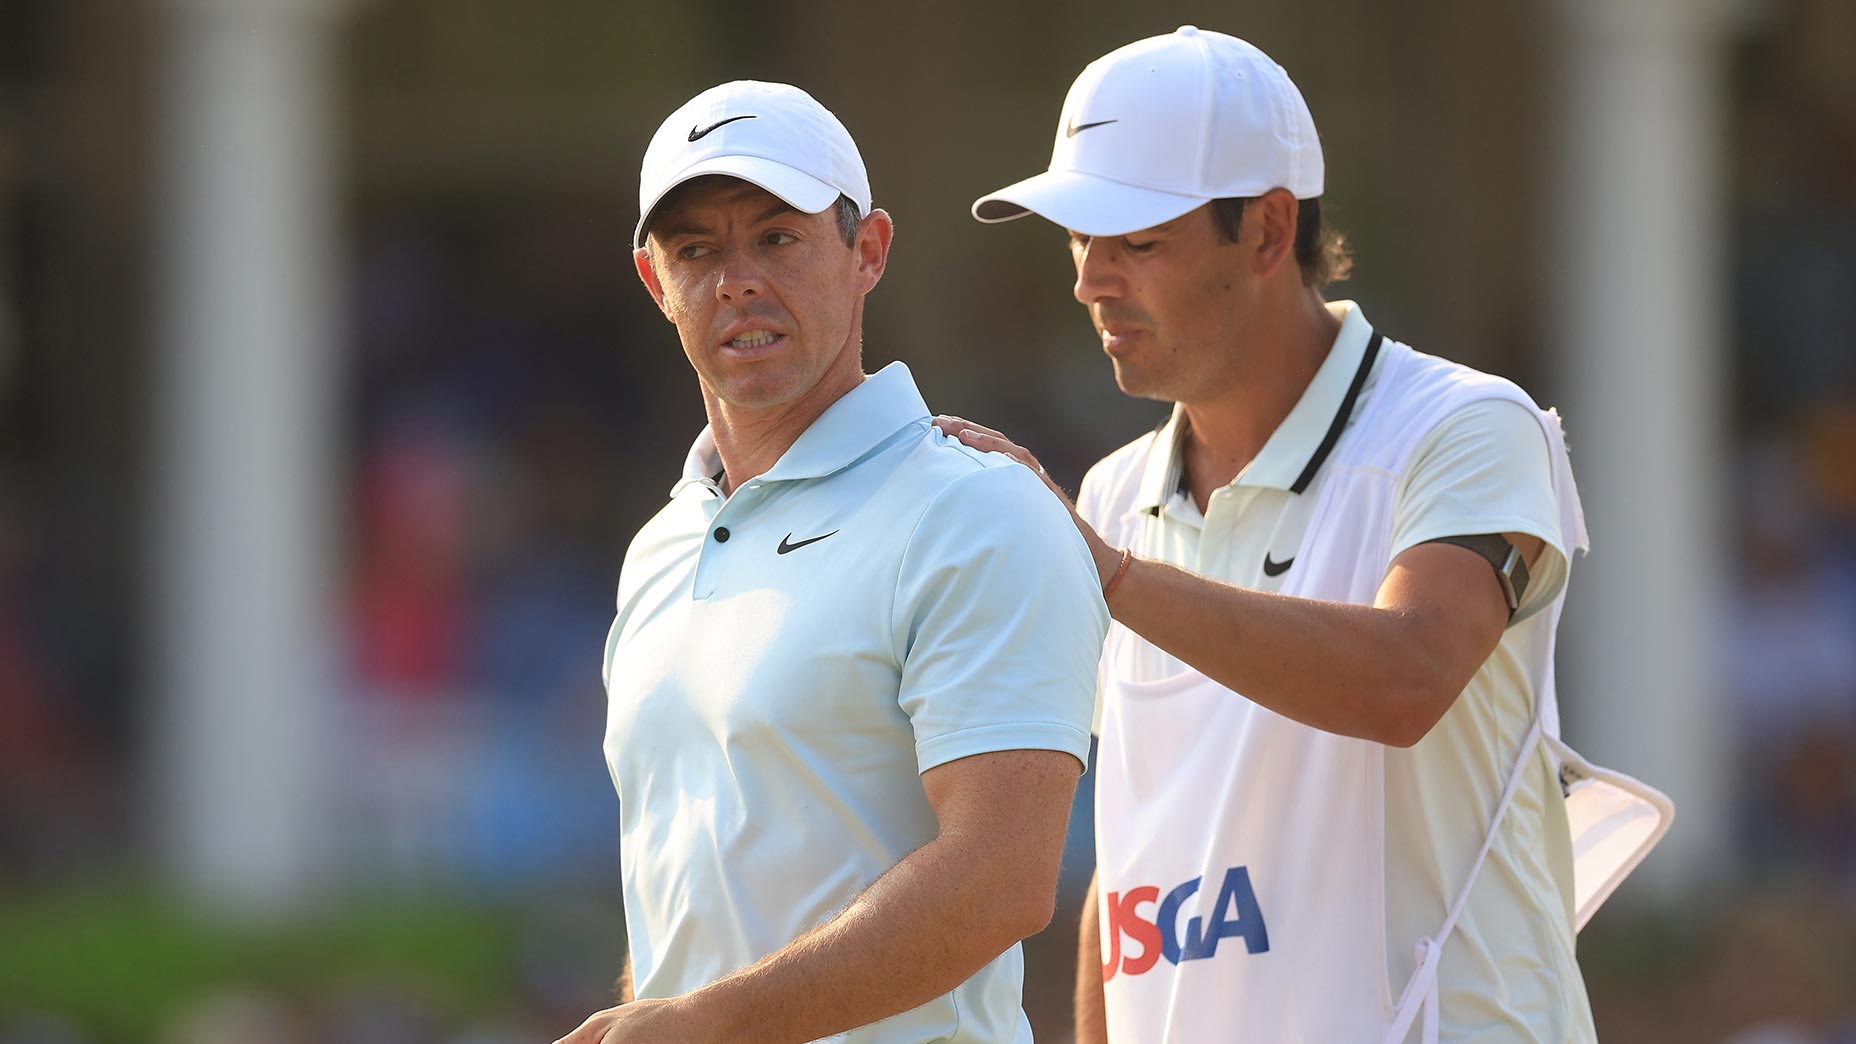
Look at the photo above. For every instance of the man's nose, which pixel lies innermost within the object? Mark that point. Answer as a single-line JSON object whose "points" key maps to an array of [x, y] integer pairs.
{"points": [[1096, 273], [742, 276]]}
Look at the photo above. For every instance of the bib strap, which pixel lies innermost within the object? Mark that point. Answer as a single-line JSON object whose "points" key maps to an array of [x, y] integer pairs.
{"points": [[1421, 993]]}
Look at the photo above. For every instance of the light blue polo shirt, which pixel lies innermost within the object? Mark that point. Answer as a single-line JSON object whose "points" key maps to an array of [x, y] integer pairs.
{"points": [[786, 661]]}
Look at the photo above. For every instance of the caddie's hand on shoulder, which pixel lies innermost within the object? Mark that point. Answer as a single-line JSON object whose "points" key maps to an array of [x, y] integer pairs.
{"points": [[638, 1022], [987, 440]]}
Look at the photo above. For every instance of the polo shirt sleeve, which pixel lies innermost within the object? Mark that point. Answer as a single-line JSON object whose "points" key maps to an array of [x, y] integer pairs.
{"points": [[1091, 504], [1485, 469], [998, 622]]}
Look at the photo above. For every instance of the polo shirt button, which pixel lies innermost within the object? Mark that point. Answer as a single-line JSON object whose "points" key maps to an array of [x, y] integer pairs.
{"points": [[721, 534]]}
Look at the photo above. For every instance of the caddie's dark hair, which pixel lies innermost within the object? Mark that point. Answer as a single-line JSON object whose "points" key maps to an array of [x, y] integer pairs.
{"points": [[1320, 251]]}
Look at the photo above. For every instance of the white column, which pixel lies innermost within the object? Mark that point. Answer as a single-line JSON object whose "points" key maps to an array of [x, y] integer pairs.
{"points": [[245, 485], [1639, 329]]}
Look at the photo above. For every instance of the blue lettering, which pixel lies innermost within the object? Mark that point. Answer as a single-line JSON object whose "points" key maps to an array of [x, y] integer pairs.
{"points": [[1168, 919], [1236, 913]]}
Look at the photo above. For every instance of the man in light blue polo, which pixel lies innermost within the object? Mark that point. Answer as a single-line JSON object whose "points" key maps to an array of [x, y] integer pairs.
{"points": [[853, 667]]}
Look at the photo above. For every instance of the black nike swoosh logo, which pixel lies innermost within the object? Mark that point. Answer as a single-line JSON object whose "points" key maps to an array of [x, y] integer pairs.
{"points": [[1077, 128], [787, 544], [1273, 568], [695, 133]]}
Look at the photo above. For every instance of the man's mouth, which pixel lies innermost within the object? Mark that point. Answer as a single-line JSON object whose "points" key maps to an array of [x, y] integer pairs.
{"points": [[754, 339], [753, 344], [1119, 338]]}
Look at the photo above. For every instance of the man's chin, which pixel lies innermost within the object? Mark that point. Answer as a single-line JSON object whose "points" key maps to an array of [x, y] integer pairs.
{"points": [[768, 389], [758, 397], [1135, 384]]}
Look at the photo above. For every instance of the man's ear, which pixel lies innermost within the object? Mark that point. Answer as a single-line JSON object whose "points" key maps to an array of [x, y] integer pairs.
{"points": [[641, 259], [872, 248], [1272, 216]]}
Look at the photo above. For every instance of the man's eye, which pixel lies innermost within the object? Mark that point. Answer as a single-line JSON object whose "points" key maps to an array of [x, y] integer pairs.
{"points": [[694, 251], [1142, 247], [781, 238]]}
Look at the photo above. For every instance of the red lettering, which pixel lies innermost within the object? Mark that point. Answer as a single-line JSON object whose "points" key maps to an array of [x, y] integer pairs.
{"points": [[1140, 929]]}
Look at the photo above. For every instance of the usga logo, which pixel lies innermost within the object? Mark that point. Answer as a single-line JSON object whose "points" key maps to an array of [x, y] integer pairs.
{"points": [[1234, 913]]}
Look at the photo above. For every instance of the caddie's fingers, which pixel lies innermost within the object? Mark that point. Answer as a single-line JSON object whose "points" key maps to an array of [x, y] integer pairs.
{"points": [[979, 440], [953, 426]]}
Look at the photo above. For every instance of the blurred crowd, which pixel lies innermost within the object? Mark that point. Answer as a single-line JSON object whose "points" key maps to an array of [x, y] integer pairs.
{"points": [[1790, 623], [486, 534]]}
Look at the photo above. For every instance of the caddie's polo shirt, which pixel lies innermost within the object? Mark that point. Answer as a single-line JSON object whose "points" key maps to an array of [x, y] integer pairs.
{"points": [[788, 660], [1484, 469]]}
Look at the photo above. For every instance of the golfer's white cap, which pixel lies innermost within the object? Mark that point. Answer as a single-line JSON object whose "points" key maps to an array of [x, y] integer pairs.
{"points": [[1155, 129], [769, 134]]}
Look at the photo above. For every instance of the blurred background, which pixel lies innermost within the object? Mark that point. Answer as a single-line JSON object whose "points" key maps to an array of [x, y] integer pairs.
{"points": [[329, 402]]}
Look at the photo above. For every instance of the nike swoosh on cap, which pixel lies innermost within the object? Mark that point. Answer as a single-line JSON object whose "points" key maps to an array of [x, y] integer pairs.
{"points": [[1274, 568], [1077, 128], [695, 133]]}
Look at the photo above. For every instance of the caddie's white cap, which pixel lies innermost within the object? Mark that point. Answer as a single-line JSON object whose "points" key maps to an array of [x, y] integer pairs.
{"points": [[1155, 129], [769, 134]]}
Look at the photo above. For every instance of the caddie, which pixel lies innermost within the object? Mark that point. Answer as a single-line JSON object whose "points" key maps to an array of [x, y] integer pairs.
{"points": [[1328, 802]]}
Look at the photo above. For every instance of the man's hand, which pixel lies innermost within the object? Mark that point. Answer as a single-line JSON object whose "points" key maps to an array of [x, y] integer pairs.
{"points": [[986, 440], [640, 1022]]}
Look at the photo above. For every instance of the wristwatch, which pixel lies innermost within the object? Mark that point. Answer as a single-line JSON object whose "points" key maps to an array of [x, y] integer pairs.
{"points": [[1510, 568]]}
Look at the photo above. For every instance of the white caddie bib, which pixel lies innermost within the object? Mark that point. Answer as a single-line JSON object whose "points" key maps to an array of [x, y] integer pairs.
{"points": [[1253, 909]]}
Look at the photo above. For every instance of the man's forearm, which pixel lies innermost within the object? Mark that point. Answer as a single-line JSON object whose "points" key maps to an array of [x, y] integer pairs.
{"points": [[1356, 670], [987, 880], [1091, 1009], [920, 930]]}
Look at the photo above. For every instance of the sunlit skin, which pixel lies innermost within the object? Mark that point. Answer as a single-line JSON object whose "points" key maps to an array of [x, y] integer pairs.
{"points": [[768, 303]]}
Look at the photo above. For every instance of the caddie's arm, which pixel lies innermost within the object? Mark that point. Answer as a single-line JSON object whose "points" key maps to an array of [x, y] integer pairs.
{"points": [[987, 880], [1091, 1009], [1386, 672]]}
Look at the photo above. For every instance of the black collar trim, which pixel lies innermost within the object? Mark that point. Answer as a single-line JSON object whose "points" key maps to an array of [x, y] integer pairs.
{"points": [[1340, 416]]}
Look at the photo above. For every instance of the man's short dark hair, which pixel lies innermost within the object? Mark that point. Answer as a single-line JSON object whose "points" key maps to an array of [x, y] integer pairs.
{"points": [[1320, 251], [848, 219]]}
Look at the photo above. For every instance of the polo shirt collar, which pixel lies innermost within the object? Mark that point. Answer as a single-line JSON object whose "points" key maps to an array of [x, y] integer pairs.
{"points": [[1296, 447], [860, 421], [1165, 464]]}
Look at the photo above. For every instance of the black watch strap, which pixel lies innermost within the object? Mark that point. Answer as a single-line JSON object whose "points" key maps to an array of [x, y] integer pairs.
{"points": [[1510, 568]]}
